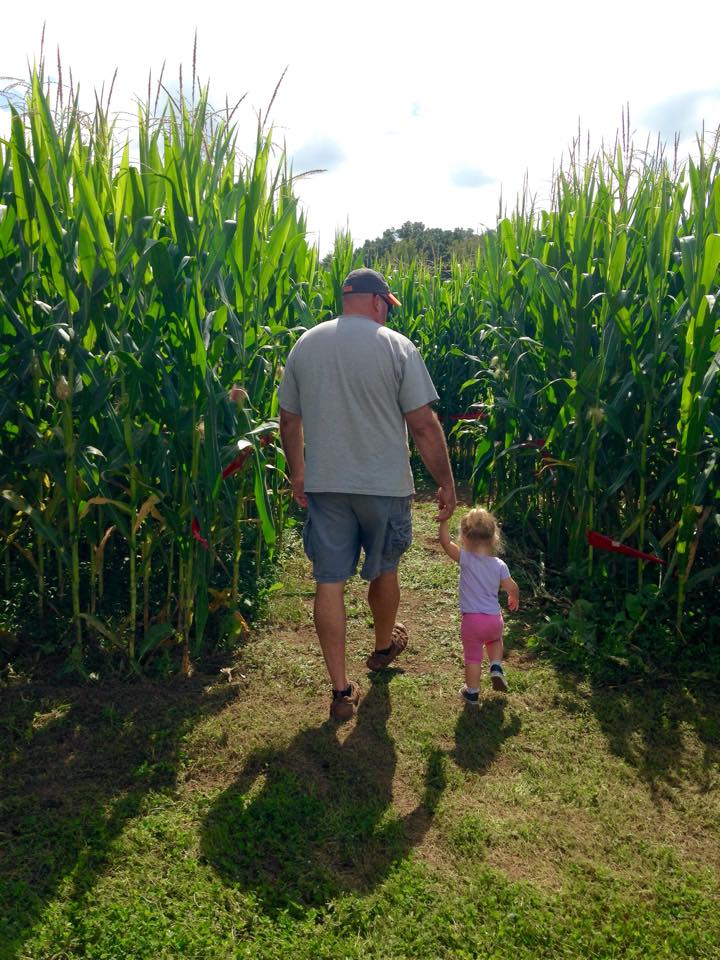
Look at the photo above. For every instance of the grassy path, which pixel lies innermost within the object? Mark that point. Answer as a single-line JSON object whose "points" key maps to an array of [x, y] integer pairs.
{"points": [[231, 819]]}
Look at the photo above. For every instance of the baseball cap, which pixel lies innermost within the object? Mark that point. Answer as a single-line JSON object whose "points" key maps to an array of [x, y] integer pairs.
{"points": [[366, 280]]}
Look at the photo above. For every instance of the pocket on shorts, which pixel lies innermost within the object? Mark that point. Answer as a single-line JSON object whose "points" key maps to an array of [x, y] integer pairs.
{"points": [[398, 537], [307, 538]]}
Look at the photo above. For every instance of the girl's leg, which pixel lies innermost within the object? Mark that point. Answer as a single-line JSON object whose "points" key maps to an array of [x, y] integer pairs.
{"points": [[473, 651], [495, 651], [494, 642], [472, 675]]}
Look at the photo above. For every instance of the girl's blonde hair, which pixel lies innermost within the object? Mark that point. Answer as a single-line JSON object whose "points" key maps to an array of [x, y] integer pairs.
{"points": [[480, 528]]}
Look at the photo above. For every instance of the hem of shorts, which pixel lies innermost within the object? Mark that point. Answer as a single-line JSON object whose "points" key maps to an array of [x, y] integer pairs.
{"points": [[333, 579], [363, 491], [381, 571]]}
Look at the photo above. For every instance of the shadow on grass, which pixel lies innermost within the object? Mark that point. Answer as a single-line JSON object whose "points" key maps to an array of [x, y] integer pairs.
{"points": [[647, 724], [304, 824], [75, 766], [480, 732], [648, 729]]}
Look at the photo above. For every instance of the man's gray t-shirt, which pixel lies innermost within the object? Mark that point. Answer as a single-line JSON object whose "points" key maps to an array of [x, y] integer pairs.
{"points": [[351, 380]]}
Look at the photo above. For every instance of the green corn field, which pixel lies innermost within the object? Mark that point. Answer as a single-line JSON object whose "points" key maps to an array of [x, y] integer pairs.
{"points": [[148, 298]]}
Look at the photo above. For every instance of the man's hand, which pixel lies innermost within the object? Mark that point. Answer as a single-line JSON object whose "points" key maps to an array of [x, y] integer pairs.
{"points": [[298, 489], [291, 435], [446, 502]]}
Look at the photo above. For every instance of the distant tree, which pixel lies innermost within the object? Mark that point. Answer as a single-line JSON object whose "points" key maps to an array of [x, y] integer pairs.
{"points": [[415, 241]]}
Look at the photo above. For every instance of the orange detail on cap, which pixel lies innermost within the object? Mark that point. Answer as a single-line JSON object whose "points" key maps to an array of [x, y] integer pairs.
{"points": [[394, 300], [347, 289]]}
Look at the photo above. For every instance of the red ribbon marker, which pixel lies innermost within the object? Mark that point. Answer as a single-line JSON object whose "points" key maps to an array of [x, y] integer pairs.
{"points": [[473, 415], [195, 527], [237, 464], [233, 467], [601, 542]]}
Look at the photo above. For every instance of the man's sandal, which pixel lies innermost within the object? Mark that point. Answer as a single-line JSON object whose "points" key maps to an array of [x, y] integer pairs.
{"points": [[344, 703], [398, 642]]}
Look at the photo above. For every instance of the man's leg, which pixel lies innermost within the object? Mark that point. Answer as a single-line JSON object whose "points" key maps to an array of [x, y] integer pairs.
{"points": [[384, 600], [330, 627]]}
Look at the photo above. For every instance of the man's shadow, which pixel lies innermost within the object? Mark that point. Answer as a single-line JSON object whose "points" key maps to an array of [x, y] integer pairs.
{"points": [[76, 764], [304, 824]]}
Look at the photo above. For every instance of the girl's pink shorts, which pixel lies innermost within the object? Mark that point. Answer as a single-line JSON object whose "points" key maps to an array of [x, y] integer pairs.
{"points": [[476, 630]]}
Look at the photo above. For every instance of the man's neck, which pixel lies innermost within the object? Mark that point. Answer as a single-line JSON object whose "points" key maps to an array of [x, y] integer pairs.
{"points": [[380, 323]]}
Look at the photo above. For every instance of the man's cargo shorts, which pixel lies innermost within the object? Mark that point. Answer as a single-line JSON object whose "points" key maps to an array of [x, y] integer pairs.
{"points": [[339, 524]]}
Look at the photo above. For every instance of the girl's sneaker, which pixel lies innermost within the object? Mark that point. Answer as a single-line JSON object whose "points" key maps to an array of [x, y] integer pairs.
{"points": [[472, 698], [497, 678]]}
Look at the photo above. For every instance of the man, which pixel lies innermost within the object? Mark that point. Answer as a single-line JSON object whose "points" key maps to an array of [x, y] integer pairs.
{"points": [[349, 389]]}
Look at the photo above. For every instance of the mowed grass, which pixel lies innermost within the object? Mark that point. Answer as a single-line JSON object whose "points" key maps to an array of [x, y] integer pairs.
{"points": [[229, 818]]}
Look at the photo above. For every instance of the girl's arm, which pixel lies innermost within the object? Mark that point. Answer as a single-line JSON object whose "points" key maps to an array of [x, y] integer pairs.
{"points": [[513, 592], [450, 548]]}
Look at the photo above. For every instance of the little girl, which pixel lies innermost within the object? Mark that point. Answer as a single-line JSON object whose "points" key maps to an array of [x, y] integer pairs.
{"points": [[482, 573]]}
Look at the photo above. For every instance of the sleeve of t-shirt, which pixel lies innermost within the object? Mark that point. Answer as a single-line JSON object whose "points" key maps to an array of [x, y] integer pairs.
{"points": [[416, 387], [503, 568], [288, 392]]}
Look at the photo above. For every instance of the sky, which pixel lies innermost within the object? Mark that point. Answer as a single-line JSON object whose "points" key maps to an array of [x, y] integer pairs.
{"points": [[416, 111]]}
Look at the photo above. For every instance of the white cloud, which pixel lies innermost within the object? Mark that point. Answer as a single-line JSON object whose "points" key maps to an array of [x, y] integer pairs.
{"points": [[323, 153], [684, 113], [471, 177]]}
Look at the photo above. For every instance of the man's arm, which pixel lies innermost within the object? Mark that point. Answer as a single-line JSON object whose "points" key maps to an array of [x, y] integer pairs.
{"points": [[291, 436], [429, 438]]}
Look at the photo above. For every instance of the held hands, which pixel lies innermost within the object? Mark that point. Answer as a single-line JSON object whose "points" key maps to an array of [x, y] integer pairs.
{"points": [[446, 503]]}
